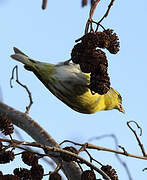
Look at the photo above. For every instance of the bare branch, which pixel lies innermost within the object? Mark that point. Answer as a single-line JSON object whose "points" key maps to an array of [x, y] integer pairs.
{"points": [[32, 128], [57, 152], [124, 150], [24, 86], [89, 21], [117, 155], [138, 140], [107, 12], [44, 4], [100, 148]]}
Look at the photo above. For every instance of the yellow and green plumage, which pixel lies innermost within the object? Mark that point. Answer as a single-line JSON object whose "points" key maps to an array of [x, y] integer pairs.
{"points": [[68, 83]]}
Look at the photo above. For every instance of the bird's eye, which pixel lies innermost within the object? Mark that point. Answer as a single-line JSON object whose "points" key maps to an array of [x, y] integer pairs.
{"points": [[120, 98]]}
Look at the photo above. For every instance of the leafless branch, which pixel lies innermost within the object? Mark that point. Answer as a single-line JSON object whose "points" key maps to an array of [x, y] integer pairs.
{"points": [[55, 151], [32, 128], [24, 86], [116, 154], [107, 12], [138, 140], [89, 21], [100, 148], [44, 4]]}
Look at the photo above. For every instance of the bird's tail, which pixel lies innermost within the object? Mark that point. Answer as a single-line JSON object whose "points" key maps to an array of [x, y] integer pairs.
{"points": [[21, 57]]}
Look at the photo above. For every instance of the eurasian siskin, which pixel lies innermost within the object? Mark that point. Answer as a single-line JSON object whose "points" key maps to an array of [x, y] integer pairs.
{"points": [[69, 84]]}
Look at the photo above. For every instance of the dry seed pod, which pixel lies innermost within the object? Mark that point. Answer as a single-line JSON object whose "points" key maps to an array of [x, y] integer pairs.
{"points": [[55, 176], [6, 125], [67, 157], [90, 40], [6, 156], [37, 172], [77, 52], [29, 158], [110, 172], [103, 40], [88, 175], [114, 41], [93, 40], [99, 83], [91, 60], [22, 173]]}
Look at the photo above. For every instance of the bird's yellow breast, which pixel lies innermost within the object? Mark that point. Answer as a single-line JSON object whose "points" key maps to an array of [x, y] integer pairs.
{"points": [[89, 103], [69, 84]]}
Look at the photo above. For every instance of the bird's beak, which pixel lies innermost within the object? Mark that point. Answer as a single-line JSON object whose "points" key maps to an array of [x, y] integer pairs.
{"points": [[120, 108]]}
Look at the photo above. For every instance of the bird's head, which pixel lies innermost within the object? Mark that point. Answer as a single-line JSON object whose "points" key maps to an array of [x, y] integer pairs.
{"points": [[119, 106]]}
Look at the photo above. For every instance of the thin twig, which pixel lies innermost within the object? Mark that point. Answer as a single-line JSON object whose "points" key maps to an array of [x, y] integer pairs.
{"points": [[107, 12], [124, 150], [44, 4], [75, 143], [58, 150], [34, 130], [59, 166], [144, 169], [117, 154], [15, 69], [98, 25], [89, 21], [92, 159], [100, 148], [138, 140], [93, 9], [83, 148], [80, 166]]}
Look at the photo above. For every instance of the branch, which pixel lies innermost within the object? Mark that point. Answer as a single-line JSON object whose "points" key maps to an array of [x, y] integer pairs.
{"points": [[91, 15], [57, 152], [89, 21], [123, 163], [15, 69], [33, 129], [107, 12], [100, 148], [44, 4], [138, 140]]}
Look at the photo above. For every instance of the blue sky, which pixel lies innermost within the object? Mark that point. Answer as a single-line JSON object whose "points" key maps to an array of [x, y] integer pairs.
{"points": [[49, 36]]}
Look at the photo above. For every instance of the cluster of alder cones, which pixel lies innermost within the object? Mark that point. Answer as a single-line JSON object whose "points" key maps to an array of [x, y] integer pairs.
{"points": [[88, 174], [93, 60]]}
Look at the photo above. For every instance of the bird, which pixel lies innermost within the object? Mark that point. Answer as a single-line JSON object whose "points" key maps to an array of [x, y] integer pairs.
{"points": [[69, 84]]}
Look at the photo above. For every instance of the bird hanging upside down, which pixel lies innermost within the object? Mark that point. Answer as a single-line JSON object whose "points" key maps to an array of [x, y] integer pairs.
{"points": [[69, 84]]}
